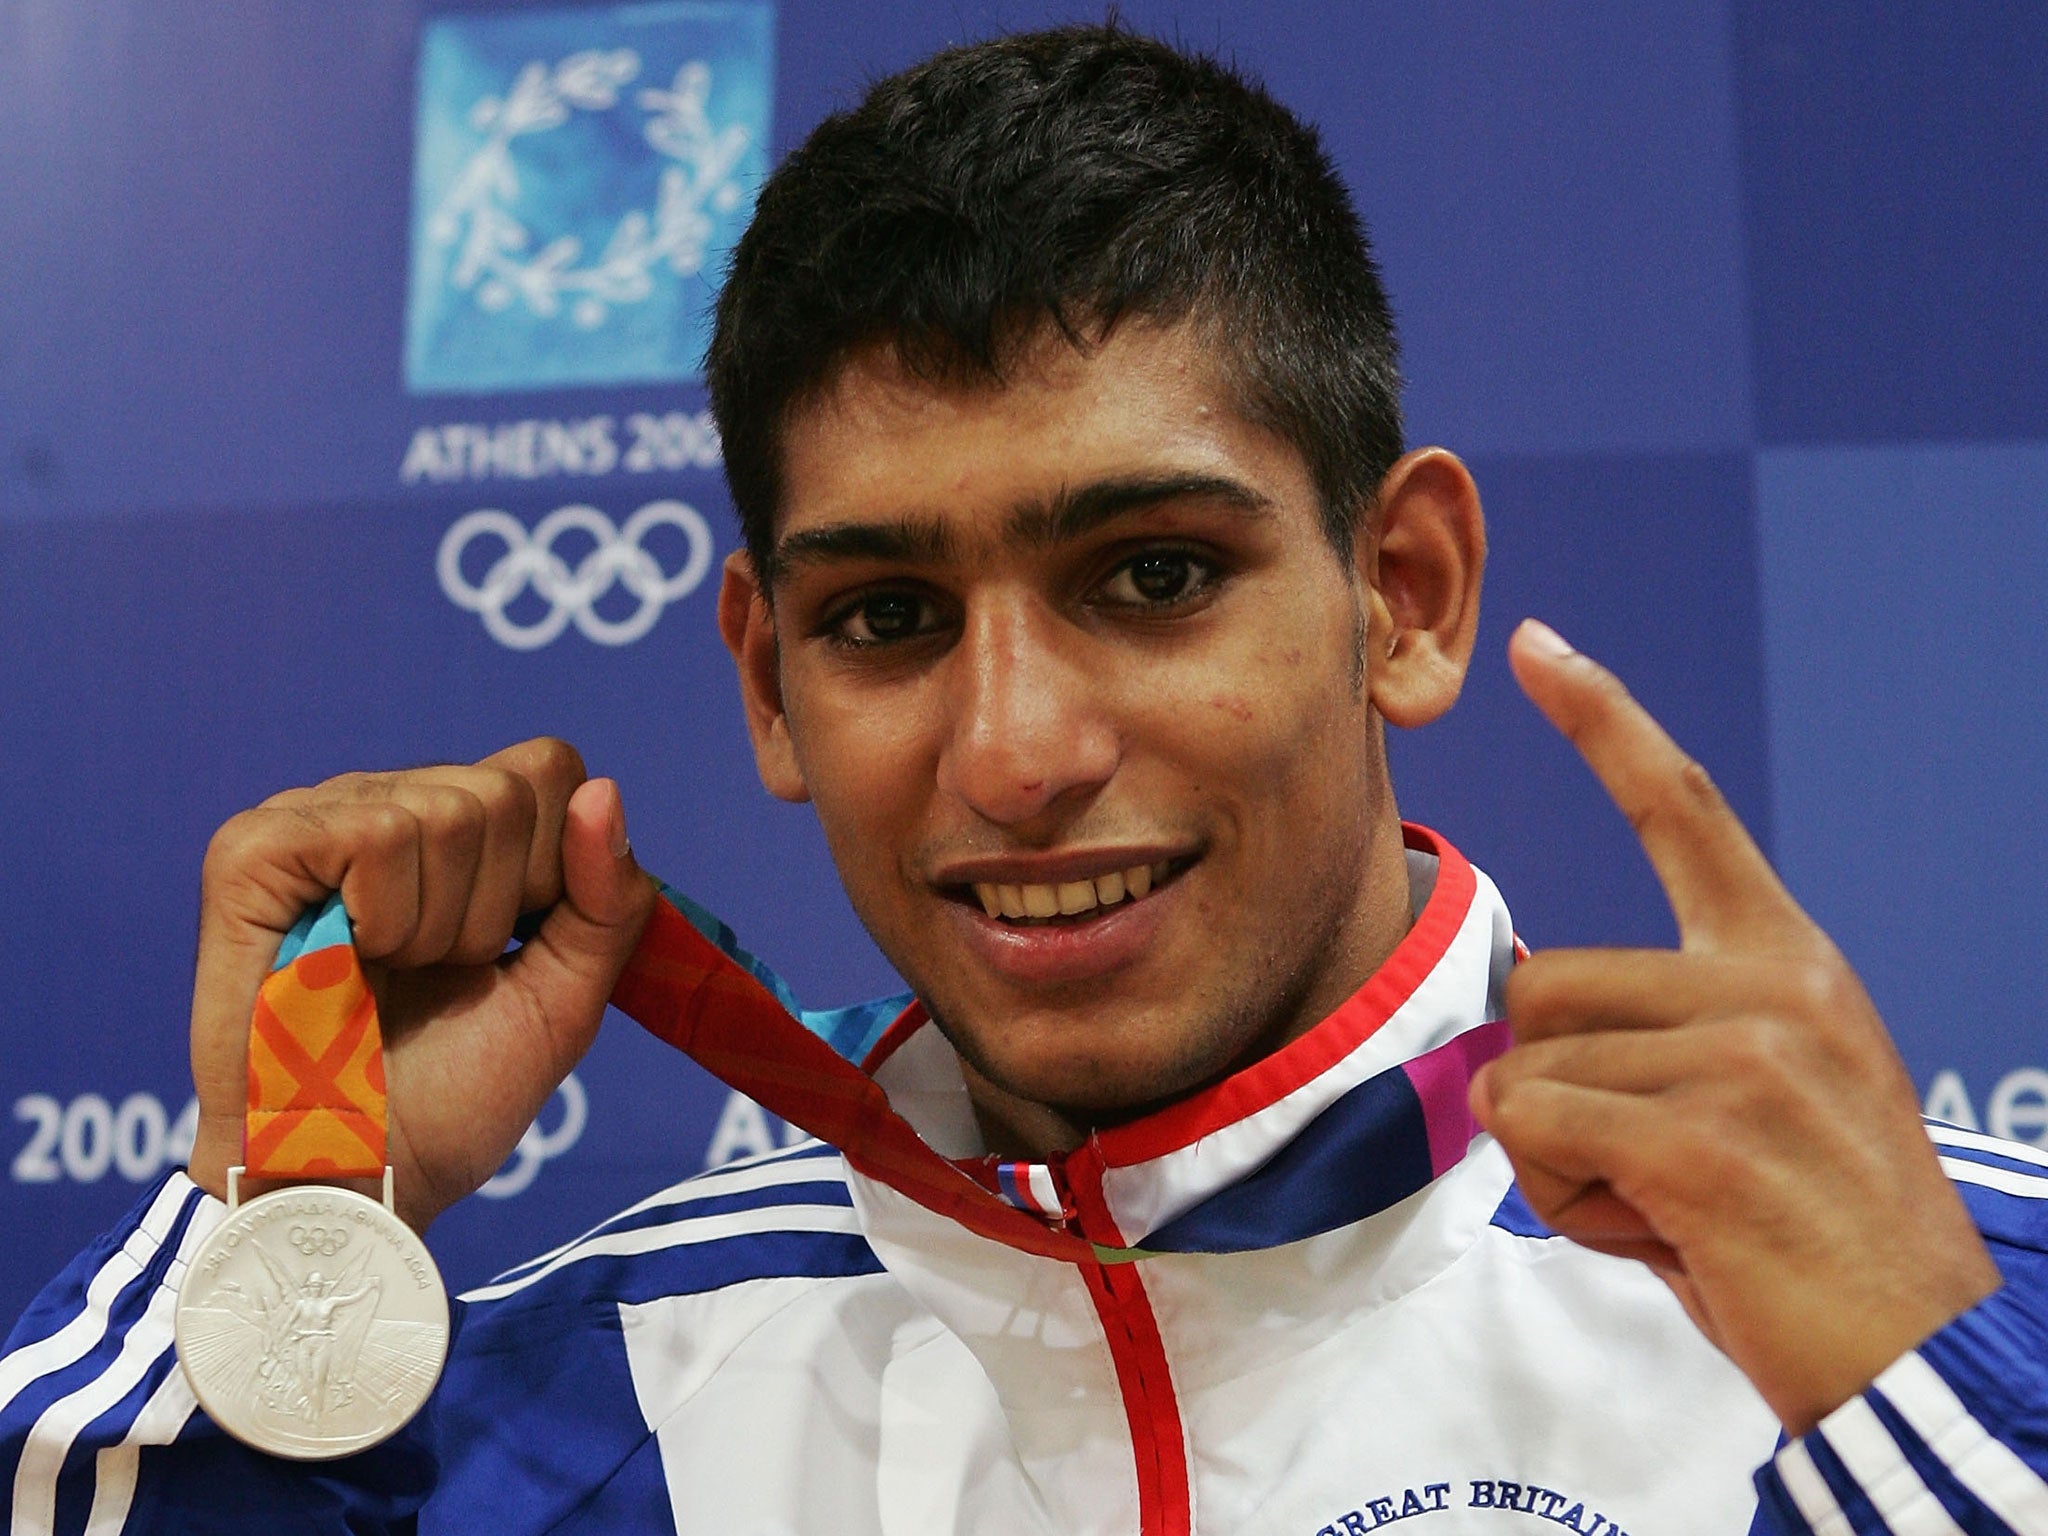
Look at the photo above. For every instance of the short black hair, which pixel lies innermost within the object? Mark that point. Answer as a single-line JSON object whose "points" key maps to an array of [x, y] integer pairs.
{"points": [[1072, 178]]}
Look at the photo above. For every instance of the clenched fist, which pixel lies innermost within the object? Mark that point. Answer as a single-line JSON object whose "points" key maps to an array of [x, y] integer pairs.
{"points": [[435, 866]]}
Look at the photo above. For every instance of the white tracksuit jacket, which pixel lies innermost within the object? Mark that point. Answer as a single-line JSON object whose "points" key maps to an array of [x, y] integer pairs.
{"points": [[1307, 1302]]}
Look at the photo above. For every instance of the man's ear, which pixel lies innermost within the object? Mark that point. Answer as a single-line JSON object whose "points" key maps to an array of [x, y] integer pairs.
{"points": [[1423, 573], [748, 625]]}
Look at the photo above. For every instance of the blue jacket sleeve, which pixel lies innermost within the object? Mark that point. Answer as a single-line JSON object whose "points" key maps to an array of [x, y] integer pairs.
{"points": [[1952, 1437], [99, 1432]]}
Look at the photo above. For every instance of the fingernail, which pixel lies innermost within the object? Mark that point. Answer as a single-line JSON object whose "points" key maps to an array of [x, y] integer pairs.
{"points": [[620, 845], [1544, 640]]}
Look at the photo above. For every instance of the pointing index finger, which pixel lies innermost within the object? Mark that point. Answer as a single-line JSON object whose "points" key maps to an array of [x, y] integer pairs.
{"points": [[1722, 889]]}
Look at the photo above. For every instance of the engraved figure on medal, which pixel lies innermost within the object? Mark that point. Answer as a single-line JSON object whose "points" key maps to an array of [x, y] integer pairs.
{"points": [[312, 1323]]}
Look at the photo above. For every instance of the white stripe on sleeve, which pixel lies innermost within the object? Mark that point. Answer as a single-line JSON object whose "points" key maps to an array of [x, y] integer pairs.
{"points": [[1988, 1468], [1810, 1492], [50, 1440], [2005, 1180], [1875, 1460], [1977, 1141], [676, 1234], [115, 1468], [114, 1474], [732, 1178], [72, 1342]]}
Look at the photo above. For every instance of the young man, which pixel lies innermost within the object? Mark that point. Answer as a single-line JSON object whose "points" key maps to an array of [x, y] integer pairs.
{"points": [[1083, 566]]}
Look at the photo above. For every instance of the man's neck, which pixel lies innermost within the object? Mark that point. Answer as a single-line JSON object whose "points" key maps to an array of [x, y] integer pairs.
{"points": [[1013, 1126]]}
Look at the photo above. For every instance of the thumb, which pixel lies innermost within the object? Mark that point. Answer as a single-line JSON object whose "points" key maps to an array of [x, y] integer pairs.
{"points": [[573, 961]]}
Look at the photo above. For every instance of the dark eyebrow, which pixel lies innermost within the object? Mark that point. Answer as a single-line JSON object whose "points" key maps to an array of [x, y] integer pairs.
{"points": [[1070, 514], [1076, 512], [919, 540]]}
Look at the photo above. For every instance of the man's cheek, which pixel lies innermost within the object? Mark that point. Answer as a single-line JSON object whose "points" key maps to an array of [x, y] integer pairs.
{"points": [[864, 854]]}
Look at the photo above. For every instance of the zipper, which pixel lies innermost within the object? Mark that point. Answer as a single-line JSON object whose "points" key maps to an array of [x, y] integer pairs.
{"points": [[1151, 1407]]}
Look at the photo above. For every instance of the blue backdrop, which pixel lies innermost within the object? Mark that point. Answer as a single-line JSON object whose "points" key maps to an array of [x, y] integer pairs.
{"points": [[314, 318]]}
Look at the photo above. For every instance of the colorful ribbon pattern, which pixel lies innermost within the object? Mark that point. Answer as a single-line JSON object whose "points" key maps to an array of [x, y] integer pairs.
{"points": [[316, 1059]]}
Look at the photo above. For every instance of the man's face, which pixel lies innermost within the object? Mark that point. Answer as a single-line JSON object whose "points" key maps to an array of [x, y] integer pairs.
{"points": [[1077, 650]]}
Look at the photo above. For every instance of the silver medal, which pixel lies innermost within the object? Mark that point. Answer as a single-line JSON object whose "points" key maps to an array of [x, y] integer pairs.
{"points": [[312, 1322]]}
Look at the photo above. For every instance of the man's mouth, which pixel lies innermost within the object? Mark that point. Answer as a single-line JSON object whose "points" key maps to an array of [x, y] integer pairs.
{"points": [[1071, 900]]}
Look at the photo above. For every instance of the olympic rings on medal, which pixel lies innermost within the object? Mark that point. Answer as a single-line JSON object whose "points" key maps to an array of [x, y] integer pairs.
{"points": [[325, 1241], [529, 559]]}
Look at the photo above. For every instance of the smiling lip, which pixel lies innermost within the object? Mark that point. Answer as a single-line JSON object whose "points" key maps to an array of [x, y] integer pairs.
{"points": [[1097, 923]]}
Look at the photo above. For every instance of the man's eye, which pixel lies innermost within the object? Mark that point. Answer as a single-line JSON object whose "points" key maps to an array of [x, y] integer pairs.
{"points": [[882, 617], [1159, 577]]}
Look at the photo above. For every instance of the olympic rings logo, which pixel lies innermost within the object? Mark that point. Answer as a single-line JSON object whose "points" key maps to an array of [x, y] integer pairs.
{"points": [[571, 593], [325, 1241]]}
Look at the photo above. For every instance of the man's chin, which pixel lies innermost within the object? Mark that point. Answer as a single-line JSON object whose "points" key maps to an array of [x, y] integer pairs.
{"points": [[1085, 1092]]}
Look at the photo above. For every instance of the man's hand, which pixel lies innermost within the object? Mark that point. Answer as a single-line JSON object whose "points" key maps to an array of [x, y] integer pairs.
{"points": [[1733, 1113], [435, 865]]}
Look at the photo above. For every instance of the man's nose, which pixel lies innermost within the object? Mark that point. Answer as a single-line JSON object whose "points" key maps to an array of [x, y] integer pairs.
{"points": [[1029, 726]]}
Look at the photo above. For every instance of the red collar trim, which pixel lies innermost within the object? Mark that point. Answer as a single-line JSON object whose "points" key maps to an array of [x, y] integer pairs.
{"points": [[686, 991], [1301, 1061]]}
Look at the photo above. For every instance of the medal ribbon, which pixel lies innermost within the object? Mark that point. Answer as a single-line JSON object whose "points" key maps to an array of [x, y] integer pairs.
{"points": [[316, 1059]]}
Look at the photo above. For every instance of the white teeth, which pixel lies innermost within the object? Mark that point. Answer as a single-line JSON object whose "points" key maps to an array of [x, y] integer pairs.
{"points": [[1069, 898]]}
